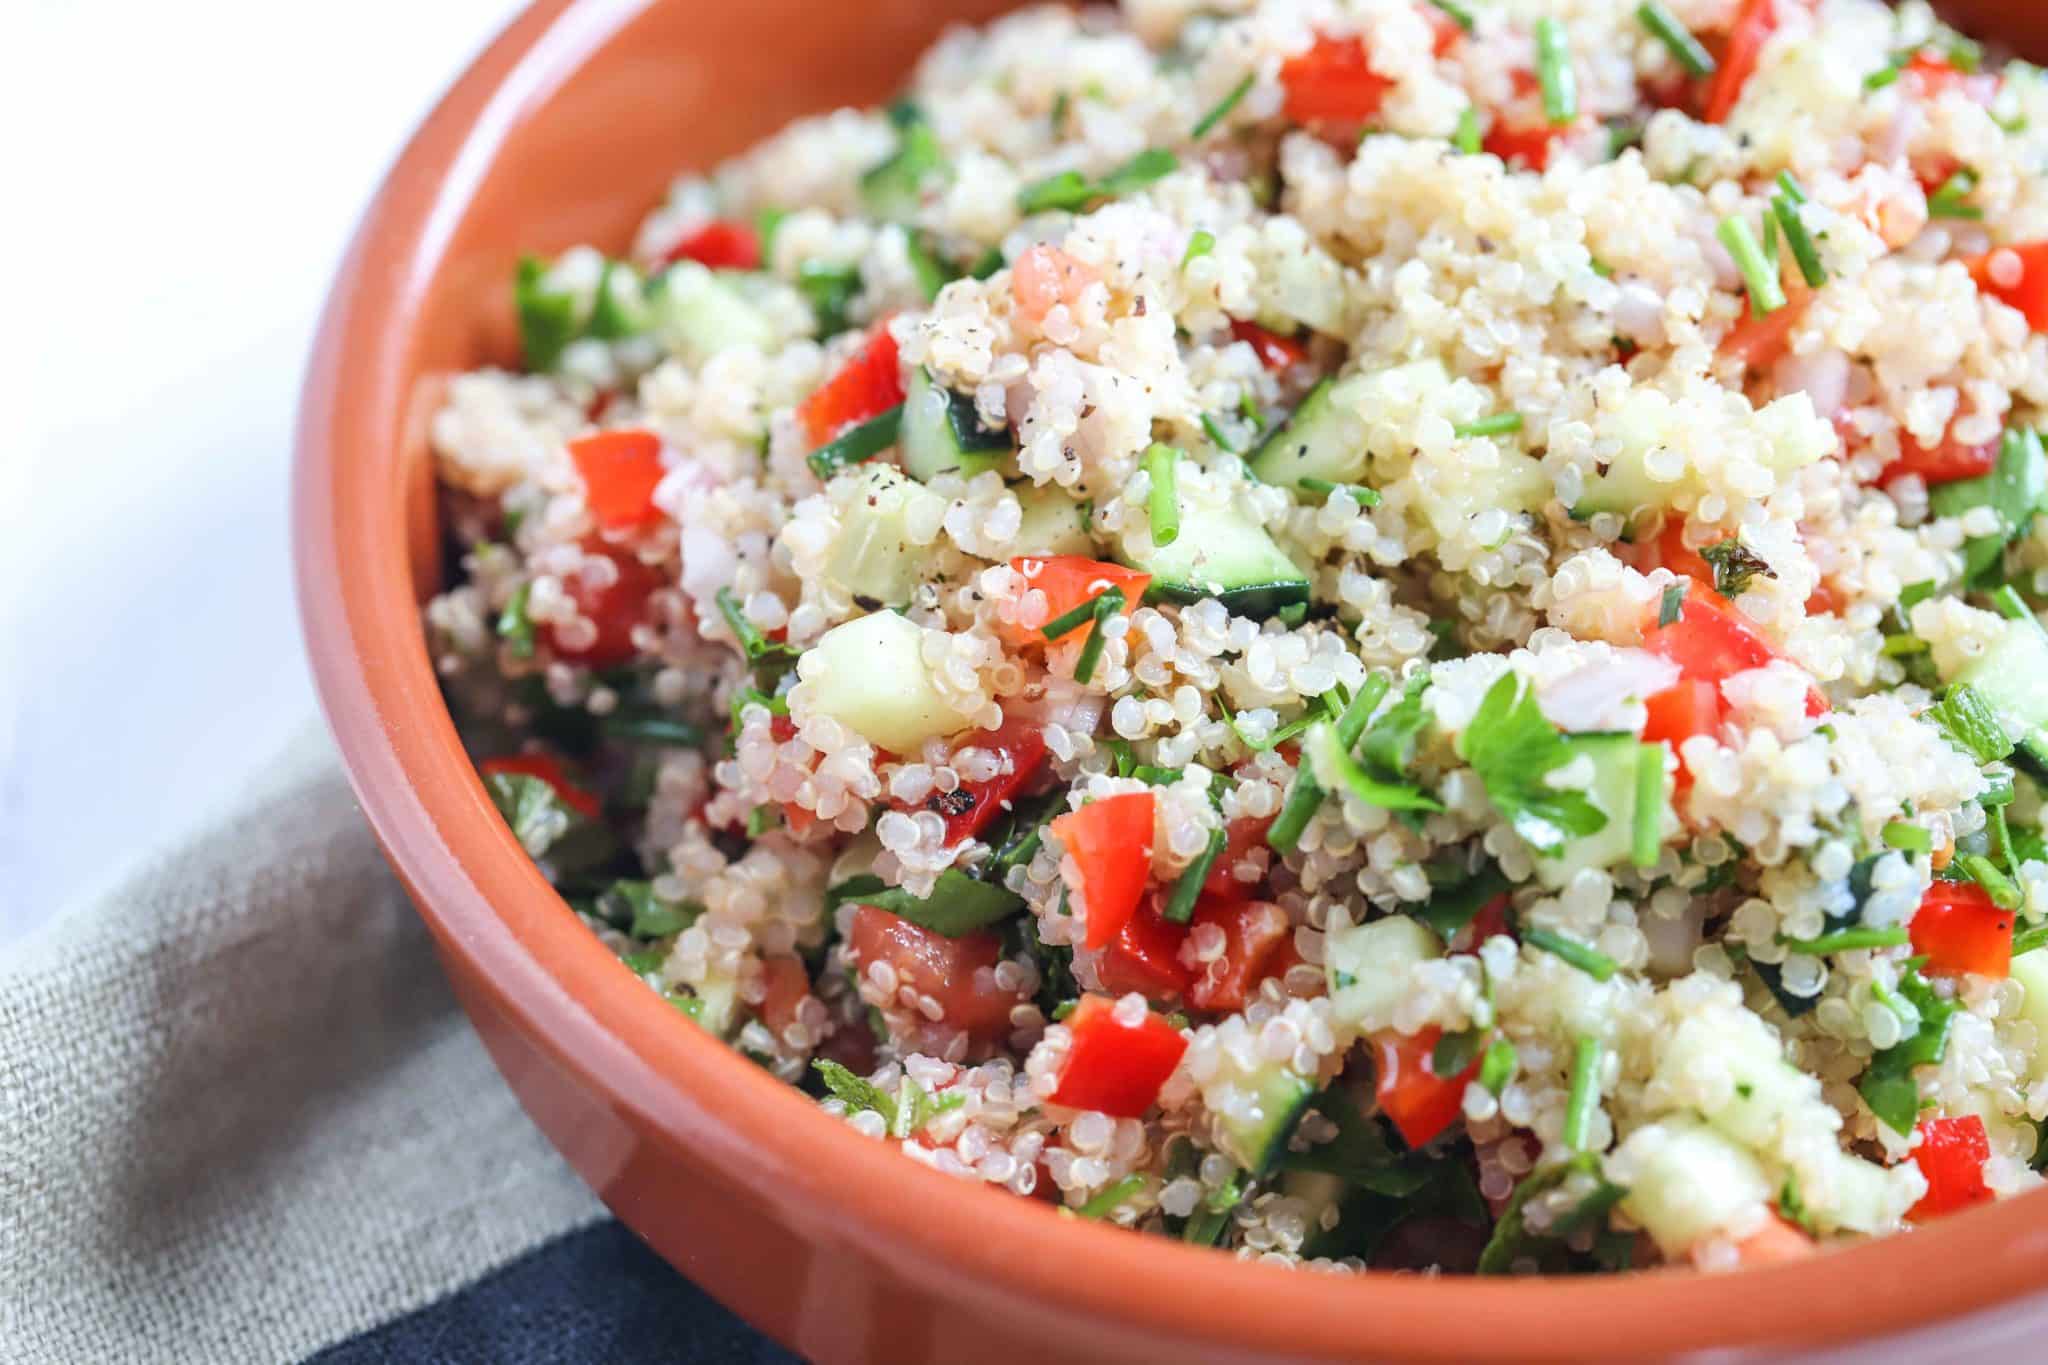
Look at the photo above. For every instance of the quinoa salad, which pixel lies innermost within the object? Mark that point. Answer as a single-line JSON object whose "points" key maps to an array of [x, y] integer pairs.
{"points": [[1371, 633]]}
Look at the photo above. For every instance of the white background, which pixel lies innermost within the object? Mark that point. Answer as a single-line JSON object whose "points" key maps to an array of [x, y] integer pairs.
{"points": [[180, 182]]}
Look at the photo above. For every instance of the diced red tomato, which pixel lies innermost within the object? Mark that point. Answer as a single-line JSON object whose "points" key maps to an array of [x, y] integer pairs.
{"points": [[1670, 551], [1110, 842], [620, 470], [544, 767], [1114, 1069], [1690, 706], [1240, 837], [1932, 75], [615, 608], [1067, 581], [1275, 352], [1951, 1154], [1761, 342], [1959, 930], [720, 244], [1332, 84], [866, 386], [1420, 1102], [968, 808], [1448, 31], [1711, 642], [1527, 144], [1754, 24], [1490, 922], [946, 969], [1944, 463], [1145, 956], [1044, 277], [786, 983], [2018, 276], [1252, 933]]}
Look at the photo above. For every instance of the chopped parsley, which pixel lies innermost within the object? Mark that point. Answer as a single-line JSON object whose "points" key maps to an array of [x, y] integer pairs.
{"points": [[1969, 723], [515, 627], [1514, 749], [1674, 602], [1888, 1086], [1735, 565]]}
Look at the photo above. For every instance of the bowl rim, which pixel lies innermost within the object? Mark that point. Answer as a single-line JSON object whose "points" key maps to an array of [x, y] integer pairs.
{"points": [[490, 906]]}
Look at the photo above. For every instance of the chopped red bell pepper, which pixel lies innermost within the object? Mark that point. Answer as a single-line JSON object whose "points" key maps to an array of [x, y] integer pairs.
{"points": [[1711, 642], [1530, 144], [1421, 1103], [1761, 342], [614, 608], [1253, 932], [784, 984], [1690, 706], [949, 970], [1932, 75], [1951, 1154], [1067, 581], [1145, 956], [1332, 84], [620, 470], [1958, 930], [1240, 837], [1110, 842], [1113, 1069], [1670, 551], [1754, 24], [544, 767], [1490, 922], [720, 244], [969, 807], [866, 386], [1944, 463], [1275, 352], [2018, 276]]}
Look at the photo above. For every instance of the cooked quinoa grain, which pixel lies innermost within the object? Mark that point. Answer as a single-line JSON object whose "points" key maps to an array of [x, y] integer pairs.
{"points": [[1363, 639]]}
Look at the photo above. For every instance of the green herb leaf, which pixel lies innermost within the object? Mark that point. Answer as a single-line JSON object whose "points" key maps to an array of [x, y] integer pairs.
{"points": [[1499, 1066], [857, 1092], [1513, 748], [1888, 1086], [548, 319], [1200, 243], [1969, 723], [830, 289], [1451, 908], [1735, 564], [546, 826], [2016, 489], [632, 905], [515, 627], [1674, 601], [958, 904], [1512, 1239]]}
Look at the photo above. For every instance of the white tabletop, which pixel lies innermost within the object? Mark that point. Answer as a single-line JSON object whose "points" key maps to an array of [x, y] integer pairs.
{"points": [[196, 171]]}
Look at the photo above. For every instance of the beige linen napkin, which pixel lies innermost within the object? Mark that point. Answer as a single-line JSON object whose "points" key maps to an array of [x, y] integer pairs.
{"points": [[231, 1092]]}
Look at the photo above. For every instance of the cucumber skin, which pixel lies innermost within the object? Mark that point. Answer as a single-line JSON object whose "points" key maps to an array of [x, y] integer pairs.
{"points": [[1257, 601], [1284, 1098]]}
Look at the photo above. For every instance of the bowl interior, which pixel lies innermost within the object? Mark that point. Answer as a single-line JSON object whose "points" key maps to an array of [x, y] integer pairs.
{"points": [[568, 131]]}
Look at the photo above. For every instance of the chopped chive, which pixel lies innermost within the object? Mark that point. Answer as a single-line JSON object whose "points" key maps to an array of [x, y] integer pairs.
{"points": [[1180, 906], [1222, 108], [1360, 494], [1684, 47], [1997, 791], [2027, 940], [1458, 14], [1996, 884], [1904, 643], [1249, 410], [1217, 435], [1880, 78], [649, 729], [1948, 200], [1585, 1093], [1673, 605], [1200, 243], [1848, 940], [515, 627], [1770, 237], [1999, 835], [1790, 187], [1107, 604], [751, 641], [1307, 794], [1907, 837], [1785, 212], [1467, 139], [1591, 961], [1075, 619], [863, 442], [1358, 711], [1759, 275], [1060, 104], [1554, 72], [1106, 1203], [1648, 833], [1498, 1066], [1499, 424], [1162, 502], [1072, 191], [2010, 604]]}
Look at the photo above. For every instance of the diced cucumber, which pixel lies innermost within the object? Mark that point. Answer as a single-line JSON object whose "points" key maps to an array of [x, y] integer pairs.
{"points": [[1301, 282], [1258, 1137], [2012, 677], [1613, 793], [1053, 523], [1846, 1193], [718, 1005], [2030, 970], [1320, 1190], [943, 434], [1324, 439], [1790, 438], [1516, 484], [1765, 1093], [1685, 1182], [1368, 966], [870, 675], [1220, 553], [873, 558], [697, 314]]}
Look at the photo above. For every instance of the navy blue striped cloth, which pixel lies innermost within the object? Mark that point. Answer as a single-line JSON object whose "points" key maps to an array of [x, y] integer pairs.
{"points": [[595, 1296]]}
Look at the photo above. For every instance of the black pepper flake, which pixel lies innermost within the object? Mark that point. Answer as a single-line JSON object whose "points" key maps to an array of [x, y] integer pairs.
{"points": [[951, 804]]}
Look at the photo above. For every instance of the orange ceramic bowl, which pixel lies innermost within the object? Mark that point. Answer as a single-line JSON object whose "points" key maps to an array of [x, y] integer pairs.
{"points": [[567, 130]]}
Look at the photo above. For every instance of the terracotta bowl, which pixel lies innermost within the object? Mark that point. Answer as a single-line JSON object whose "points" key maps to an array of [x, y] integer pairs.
{"points": [[566, 130]]}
